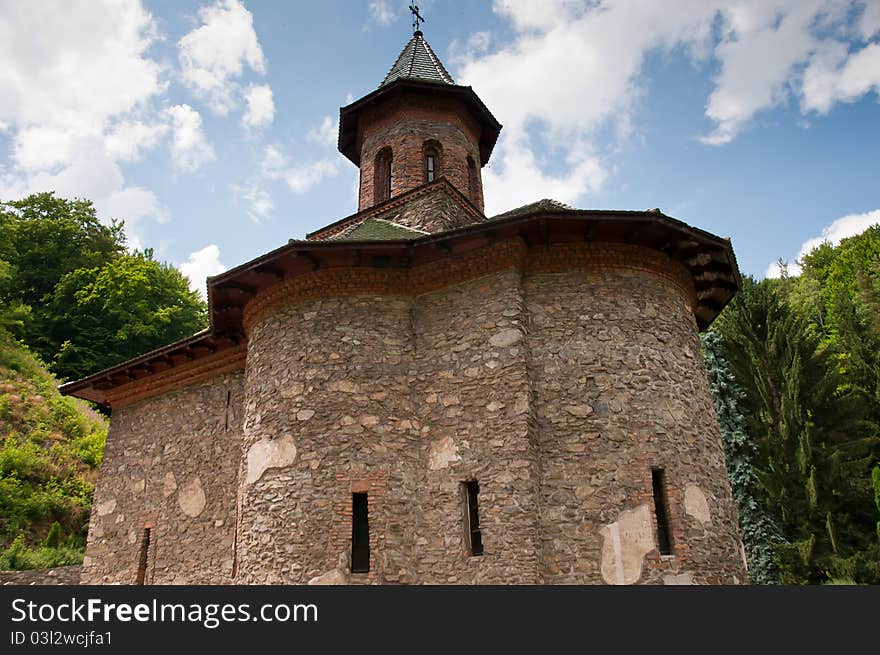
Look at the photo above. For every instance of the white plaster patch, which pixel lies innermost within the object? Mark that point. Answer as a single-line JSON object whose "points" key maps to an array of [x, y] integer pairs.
{"points": [[269, 453], [505, 338], [332, 577], [680, 579], [337, 576], [443, 452], [696, 505], [169, 486], [107, 507], [625, 544], [191, 498]]}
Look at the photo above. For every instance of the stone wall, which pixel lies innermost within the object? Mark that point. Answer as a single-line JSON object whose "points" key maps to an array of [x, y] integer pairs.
{"points": [[619, 388], [433, 212], [328, 413], [558, 383], [171, 465], [406, 127], [557, 377], [62, 575], [472, 398]]}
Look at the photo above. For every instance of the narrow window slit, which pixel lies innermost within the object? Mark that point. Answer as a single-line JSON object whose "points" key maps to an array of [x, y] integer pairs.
{"points": [[143, 557], [360, 534], [228, 400], [473, 536], [661, 511]]}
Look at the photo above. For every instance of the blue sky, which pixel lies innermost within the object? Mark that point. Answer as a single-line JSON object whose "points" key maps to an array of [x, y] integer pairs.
{"points": [[210, 127]]}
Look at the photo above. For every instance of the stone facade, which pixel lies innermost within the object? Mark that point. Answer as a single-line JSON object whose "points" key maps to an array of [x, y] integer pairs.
{"points": [[170, 465], [557, 377], [406, 125]]}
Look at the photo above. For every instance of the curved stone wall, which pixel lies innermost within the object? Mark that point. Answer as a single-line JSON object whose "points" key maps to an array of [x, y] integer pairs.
{"points": [[558, 384], [326, 384], [619, 388]]}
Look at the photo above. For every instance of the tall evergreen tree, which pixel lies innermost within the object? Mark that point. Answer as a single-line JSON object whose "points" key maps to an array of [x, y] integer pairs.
{"points": [[758, 530], [814, 449]]}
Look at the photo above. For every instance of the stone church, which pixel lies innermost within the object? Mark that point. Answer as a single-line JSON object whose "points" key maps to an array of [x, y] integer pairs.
{"points": [[419, 393]]}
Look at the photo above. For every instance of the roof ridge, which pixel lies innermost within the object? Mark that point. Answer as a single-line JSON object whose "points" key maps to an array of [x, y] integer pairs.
{"points": [[437, 63], [400, 225], [418, 61]]}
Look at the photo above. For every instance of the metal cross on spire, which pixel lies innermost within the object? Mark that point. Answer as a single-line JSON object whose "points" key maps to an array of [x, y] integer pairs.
{"points": [[417, 18]]}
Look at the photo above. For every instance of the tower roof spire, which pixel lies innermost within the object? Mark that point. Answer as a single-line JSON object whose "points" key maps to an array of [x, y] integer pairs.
{"points": [[418, 61]]}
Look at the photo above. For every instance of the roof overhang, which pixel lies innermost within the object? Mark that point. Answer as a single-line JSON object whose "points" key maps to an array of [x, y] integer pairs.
{"points": [[349, 116], [709, 260]]}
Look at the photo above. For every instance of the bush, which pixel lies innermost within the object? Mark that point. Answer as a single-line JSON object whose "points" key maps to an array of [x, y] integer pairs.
{"points": [[54, 536], [19, 557]]}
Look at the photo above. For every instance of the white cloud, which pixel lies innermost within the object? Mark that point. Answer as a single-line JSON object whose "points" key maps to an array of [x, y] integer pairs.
{"points": [[213, 56], [836, 75], [381, 13], [326, 134], [78, 87], [200, 265], [299, 177], [843, 227], [869, 23], [75, 64], [91, 173], [261, 204], [764, 42], [260, 106], [521, 180], [189, 148], [127, 139], [573, 68], [131, 204]]}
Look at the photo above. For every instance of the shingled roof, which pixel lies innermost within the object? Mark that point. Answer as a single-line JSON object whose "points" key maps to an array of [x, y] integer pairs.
{"points": [[378, 229], [417, 61], [545, 205]]}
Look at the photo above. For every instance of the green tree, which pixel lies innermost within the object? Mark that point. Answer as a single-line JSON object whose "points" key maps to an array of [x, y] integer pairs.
{"points": [[131, 305], [815, 446], [43, 238], [758, 530]]}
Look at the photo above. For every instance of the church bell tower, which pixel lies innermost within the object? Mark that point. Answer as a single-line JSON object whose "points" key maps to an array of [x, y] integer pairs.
{"points": [[417, 127]]}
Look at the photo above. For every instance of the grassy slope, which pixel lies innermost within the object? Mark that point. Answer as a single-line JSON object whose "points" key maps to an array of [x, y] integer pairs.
{"points": [[50, 450]]}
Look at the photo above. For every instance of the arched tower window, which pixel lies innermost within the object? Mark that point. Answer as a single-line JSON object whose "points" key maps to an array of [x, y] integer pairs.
{"points": [[473, 182], [432, 160], [383, 183]]}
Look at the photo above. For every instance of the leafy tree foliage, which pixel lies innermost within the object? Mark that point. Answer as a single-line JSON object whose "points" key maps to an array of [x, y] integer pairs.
{"points": [[129, 306], [758, 530], [804, 350], [72, 293], [43, 238]]}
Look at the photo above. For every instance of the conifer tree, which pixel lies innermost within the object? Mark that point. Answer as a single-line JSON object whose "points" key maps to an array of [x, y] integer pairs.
{"points": [[758, 530]]}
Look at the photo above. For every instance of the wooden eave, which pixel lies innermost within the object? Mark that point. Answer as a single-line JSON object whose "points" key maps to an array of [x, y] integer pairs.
{"points": [[349, 115], [709, 259]]}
